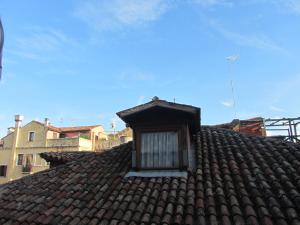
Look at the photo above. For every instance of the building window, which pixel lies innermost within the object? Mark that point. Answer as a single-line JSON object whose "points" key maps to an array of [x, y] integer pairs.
{"points": [[3, 170], [27, 163], [25, 159], [29, 159], [31, 136], [159, 150], [20, 159]]}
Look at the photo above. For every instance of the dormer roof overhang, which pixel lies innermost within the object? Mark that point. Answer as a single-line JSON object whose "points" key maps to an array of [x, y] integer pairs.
{"points": [[191, 111]]}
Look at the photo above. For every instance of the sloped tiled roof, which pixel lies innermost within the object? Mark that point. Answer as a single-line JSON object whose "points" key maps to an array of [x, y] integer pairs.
{"points": [[72, 129], [80, 128], [64, 129], [68, 129], [240, 179], [63, 157]]}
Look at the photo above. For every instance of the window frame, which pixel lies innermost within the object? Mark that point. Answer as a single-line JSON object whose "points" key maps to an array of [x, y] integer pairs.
{"points": [[29, 136], [22, 159], [27, 155], [152, 129]]}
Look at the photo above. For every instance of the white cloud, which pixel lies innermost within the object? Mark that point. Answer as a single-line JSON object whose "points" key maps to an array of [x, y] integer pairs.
{"points": [[259, 41], [290, 5], [141, 100], [212, 2], [228, 103], [282, 5], [44, 39], [37, 43], [284, 90], [135, 76], [132, 77], [24, 54], [293, 5], [101, 116], [276, 109], [277, 133], [116, 14]]}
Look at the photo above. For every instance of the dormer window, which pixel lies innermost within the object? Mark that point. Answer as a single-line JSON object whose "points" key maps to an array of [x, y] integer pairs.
{"points": [[162, 135], [159, 150]]}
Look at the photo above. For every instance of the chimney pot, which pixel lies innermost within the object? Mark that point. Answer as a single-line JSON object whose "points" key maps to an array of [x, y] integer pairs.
{"points": [[18, 120]]}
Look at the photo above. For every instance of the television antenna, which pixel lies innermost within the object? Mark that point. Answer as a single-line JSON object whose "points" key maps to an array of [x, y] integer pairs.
{"points": [[231, 59], [113, 126]]}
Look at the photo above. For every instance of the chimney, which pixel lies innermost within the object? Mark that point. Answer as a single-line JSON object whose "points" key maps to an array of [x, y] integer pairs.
{"points": [[46, 122], [10, 130], [18, 120], [13, 152]]}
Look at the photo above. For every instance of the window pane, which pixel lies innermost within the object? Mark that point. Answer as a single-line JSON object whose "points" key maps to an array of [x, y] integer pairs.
{"points": [[20, 160], [29, 159], [31, 136], [3, 171], [159, 150]]}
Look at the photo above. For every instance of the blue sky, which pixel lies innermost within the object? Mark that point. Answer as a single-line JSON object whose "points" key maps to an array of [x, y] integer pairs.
{"points": [[80, 61]]}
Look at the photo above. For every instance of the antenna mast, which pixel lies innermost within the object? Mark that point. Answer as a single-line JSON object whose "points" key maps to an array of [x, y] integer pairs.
{"points": [[231, 59]]}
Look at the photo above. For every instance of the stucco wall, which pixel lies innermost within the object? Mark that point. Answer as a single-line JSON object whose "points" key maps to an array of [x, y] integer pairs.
{"points": [[52, 134], [8, 140], [39, 137], [99, 131], [4, 156], [4, 159], [44, 141], [61, 142], [85, 144]]}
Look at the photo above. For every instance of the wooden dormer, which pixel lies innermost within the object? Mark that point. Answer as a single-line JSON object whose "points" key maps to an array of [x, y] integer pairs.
{"points": [[162, 134]]}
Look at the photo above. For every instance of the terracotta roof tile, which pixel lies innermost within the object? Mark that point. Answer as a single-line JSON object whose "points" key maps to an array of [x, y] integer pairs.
{"points": [[239, 179], [68, 129]]}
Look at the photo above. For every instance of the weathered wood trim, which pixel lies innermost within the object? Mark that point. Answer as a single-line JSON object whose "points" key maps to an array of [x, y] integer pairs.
{"points": [[158, 103]]}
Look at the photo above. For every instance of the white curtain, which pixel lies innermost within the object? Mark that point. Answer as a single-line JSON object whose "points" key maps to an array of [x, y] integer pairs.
{"points": [[159, 150]]}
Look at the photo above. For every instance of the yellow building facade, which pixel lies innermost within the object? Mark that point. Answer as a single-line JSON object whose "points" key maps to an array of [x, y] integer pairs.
{"points": [[20, 148]]}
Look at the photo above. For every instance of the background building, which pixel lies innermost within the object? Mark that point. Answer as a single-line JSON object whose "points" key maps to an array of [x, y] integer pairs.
{"points": [[20, 148], [253, 126], [114, 139]]}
